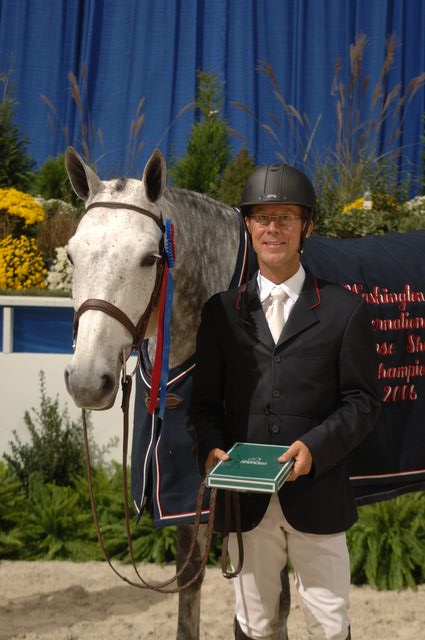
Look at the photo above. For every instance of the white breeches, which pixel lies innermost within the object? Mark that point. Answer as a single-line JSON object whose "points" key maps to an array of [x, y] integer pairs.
{"points": [[322, 577]]}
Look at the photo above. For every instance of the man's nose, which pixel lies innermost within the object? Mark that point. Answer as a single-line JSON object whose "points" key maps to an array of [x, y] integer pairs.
{"points": [[274, 224]]}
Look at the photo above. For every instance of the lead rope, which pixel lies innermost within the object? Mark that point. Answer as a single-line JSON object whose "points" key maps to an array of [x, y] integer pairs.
{"points": [[160, 587], [234, 497]]}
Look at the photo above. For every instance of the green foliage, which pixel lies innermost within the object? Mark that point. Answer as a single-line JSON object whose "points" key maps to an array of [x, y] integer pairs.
{"points": [[386, 215], [413, 215], [355, 221], [356, 225], [234, 177], [52, 182], [15, 163], [12, 504], [55, 450], [44, 503], [54, 527], [152, 545], [58, 227], [413, 221], [387, 544], [45, 521], [208, 147], [149, 544]]}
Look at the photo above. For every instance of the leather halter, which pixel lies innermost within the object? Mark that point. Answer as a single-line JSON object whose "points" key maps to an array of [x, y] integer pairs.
{"points": [[132, 207], [137, 331]]}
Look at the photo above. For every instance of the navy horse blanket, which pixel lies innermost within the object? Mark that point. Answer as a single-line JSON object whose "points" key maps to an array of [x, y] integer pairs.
{"points": [[389, 273]]}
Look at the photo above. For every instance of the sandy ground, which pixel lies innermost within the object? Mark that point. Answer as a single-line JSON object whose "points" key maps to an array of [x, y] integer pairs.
{"points": [[71, 601]]}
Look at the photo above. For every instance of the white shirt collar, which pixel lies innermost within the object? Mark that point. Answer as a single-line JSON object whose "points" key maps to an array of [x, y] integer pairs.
{"points": [[292, 287]]}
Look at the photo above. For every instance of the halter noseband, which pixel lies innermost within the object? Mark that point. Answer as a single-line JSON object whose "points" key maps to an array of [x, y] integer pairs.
{"points": [[137, 331]]}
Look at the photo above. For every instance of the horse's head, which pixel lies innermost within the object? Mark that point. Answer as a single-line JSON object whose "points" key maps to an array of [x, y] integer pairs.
{"points": [[116, 253]]}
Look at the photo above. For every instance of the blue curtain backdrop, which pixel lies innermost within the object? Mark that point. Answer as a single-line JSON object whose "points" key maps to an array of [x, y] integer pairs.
{"points": [[153, 48]]}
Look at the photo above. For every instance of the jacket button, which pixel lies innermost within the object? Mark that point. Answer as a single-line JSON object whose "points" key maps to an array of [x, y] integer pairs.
{"points": [[276, 393], [275, 428], [276, 358]]}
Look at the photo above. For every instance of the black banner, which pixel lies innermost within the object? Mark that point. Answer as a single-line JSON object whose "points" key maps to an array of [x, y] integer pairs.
{"points": [[389, 273]]}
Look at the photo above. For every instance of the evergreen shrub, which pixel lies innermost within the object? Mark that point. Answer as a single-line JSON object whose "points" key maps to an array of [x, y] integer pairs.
{"points": [[208, 147], [12, 506], [16, 165], [51, 182], [55, 448], [234, 177]]}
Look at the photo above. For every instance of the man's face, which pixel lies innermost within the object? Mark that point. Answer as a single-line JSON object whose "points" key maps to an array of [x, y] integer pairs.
{"points": [[277, 243]]}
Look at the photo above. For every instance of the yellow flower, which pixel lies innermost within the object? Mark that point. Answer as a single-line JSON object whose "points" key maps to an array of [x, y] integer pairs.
{"points": [[21, 264], [356, 204], [23, 205]]}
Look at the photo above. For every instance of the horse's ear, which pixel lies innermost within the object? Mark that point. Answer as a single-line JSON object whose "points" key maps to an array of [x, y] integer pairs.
{"points": [[84, 181], [154, 176]]}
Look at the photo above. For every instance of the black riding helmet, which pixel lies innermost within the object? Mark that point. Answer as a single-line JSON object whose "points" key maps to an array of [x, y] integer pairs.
{"points": [[279, 184]]}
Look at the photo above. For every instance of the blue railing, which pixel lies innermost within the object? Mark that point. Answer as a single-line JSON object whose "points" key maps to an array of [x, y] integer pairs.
{"points": [[33, 324]]}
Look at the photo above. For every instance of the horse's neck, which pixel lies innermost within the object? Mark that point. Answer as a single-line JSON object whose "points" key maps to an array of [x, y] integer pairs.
{"points": [[207, 240]]}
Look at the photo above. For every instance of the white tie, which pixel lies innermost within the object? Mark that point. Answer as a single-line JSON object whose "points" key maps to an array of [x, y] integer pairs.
{"points": [[274, 313]]}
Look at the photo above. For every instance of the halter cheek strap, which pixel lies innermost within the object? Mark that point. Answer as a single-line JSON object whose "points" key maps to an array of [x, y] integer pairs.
{"points": [[137, 331]]}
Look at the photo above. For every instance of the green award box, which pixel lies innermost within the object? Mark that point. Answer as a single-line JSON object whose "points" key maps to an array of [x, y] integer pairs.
{"points": [[252, 467]]}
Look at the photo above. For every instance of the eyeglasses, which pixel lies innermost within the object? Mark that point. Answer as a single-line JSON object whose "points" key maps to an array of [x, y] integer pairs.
{"points": [[285, 221]]}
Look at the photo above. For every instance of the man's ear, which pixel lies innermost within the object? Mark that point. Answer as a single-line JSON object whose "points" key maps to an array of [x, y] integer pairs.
{"points": [[309, 230]]}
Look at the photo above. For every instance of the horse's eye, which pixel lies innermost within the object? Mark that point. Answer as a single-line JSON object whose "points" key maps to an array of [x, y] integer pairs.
{"points": [[68, 255], [149, 260]]}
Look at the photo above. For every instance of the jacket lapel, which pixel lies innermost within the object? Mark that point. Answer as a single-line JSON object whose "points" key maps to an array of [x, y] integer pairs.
{"points": [[303, 314], [252, 317]]}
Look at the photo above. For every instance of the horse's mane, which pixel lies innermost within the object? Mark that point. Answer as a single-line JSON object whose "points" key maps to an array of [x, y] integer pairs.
{"points": [[207, 240], [189, 199]]}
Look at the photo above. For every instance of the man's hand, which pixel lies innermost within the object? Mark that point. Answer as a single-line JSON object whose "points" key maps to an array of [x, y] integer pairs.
{"points": [[214, 456], [303, 460]]}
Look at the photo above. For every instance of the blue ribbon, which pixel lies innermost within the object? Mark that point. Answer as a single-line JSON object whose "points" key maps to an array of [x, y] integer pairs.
{"points": [[165, 364]]}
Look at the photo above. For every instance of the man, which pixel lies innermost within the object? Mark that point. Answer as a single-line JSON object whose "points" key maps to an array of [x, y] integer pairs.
{"points": [[312, 387]]}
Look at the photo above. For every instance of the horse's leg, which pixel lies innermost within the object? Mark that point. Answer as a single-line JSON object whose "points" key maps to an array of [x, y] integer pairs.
{"points": [[190, 598], [284, 605]]}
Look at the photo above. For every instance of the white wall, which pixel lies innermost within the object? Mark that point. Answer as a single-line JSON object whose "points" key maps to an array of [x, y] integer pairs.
{"points": [[20, 390]]}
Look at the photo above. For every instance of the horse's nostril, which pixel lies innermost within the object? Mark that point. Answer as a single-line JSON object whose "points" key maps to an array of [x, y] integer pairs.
{"points": [[107, 384]]}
